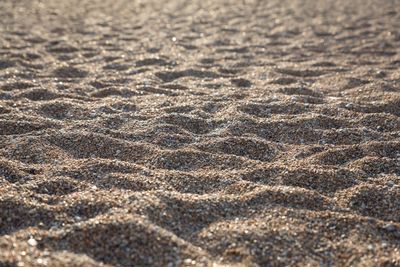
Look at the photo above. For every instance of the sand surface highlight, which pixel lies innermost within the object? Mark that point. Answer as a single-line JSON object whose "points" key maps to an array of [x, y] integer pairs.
{"points": [[199, 133]]}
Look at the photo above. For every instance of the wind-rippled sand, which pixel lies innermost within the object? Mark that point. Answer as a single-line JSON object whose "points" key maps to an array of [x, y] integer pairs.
{"points": [[199, 133]]}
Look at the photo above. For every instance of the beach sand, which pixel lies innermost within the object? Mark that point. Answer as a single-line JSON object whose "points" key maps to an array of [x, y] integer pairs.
{"points": [[199, 133]]}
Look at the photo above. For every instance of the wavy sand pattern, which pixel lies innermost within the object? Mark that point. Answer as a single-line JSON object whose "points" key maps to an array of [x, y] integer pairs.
{"points": [[199, 133]]}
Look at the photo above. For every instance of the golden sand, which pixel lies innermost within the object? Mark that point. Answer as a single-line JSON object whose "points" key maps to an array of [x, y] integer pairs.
{"points": [[199, 133]]}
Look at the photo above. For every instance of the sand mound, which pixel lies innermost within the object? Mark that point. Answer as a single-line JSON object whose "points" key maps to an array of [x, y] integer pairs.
{"points": [[199, 133]]}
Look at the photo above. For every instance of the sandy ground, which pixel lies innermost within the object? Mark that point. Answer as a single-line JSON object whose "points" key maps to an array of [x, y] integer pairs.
{"points": [[199, 133]]}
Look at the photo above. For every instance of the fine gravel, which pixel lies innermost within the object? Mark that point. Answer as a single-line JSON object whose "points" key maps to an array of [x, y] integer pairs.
{"points": [[199, 133]]}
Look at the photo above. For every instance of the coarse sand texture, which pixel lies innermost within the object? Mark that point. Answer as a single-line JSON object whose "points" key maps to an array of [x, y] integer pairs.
{"points": [[199, 133]]}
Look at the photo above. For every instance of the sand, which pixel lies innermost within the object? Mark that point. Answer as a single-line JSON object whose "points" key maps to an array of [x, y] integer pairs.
{"points": [[199, 133]]}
